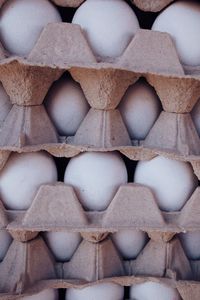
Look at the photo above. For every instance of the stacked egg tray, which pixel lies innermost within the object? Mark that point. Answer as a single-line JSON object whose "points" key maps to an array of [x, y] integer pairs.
{"points": [[28, 266]]}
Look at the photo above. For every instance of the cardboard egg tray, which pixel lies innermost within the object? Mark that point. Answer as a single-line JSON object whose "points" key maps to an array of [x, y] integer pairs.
{"points": [[146, 5], [134, 206], [29, 266], [95, 260], [150, 54]]}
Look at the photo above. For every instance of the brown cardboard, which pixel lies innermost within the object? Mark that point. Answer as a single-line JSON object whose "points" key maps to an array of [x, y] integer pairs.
{"points": [[70, 3], [20, 266], [26, 122], [145, 5], [56, 207], [27, 82], [94, 261], [176, 133], [105, 87], [108, 130], [90, 264], [151, 55], [152, 5]]}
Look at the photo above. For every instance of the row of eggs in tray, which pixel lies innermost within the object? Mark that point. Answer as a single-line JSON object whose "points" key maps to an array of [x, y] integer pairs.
{"points": [[128, 242], [108, 25], [95, 177], [111, 291], [67, 107]]}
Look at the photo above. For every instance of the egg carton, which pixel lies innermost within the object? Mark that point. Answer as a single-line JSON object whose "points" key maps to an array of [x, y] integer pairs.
{"points": [[57, 207], [145, 5], [94, 263], [185, 289], [150, 54]]}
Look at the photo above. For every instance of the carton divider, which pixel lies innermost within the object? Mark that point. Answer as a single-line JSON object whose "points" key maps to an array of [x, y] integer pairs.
{"points": [[160, 57], [175, 132], [133, 204], [94, 261], [22, 125], [108, 130], [104, 87], [177, 95], [149, 5], [191, 211], [19, 269], [145, 5], [71, 46], [27, 84], [53, 205], [3, 216]]}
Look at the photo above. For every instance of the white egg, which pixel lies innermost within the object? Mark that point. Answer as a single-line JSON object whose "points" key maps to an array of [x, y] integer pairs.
{"points": [[101, 291], [182, 21], [62, 244], [129, 242], [22, 176], [109, 25], [5, 104], [22, 21], [191, 244], [66, 106], [153, 291], [5, 241], [49, 294], [171, 181], [96, 177], [140, 107], [195, 114]]}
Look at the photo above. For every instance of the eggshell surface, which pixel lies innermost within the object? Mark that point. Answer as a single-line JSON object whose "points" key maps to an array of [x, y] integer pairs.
{"points": [[96, 178], [109, 25], [22, 176], [129, 242], [191, 244], [108, 291], [140, 107], [22, 21], [182, 21], [153, 291], [171, 181], [62, 244], [66, 106]]}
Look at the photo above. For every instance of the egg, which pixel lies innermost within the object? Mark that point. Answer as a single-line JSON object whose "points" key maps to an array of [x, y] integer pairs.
{"points": [[5, 241], [66, 106], [22, 176], [108, 25], [140, 107], [195, 114], [5, 104], [108, 291], [22, 21], [49, 294], [191, 244], [62, 244], [96, 177], [182, 21], [129, 242], [153, 291], [171, 181]]}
